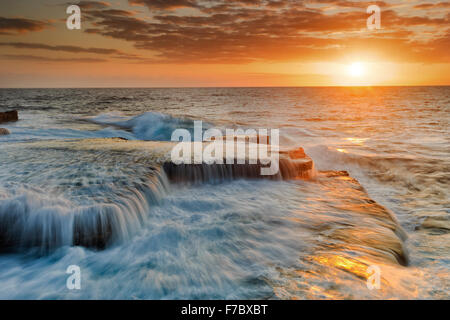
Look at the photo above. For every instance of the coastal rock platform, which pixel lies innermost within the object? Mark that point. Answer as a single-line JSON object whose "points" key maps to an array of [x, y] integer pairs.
{"points": [[293, 163], [4, 132], [9, 116], [97, 192]]}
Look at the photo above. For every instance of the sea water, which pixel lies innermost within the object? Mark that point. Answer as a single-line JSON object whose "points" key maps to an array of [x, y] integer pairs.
{"points": [[242, 239]]}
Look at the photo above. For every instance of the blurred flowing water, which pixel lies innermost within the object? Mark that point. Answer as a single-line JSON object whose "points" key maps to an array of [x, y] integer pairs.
{"points": [[256, 239]]}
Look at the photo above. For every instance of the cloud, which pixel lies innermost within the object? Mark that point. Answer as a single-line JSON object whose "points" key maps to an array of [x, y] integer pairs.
{"points": [[392, 19], [73, 49], [165, 4], [242, 31], [10, 26], [92, 4], [48, 59], [439, 5], [348, 4]]}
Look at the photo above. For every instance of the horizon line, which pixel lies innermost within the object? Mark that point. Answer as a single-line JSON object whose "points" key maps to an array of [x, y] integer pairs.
{"points": [[231, 87]]}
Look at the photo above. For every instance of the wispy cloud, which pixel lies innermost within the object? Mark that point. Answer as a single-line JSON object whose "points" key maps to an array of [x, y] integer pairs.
{"points": [[49, 59], [241, 31], [68, 48], [10, 26]]}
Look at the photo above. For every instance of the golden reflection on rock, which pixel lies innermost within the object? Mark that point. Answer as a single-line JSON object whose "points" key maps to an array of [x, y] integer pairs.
{"points": [[353, 232]]}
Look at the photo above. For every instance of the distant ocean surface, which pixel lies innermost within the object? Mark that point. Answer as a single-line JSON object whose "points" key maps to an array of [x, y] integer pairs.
{"points": [[241, 239]]}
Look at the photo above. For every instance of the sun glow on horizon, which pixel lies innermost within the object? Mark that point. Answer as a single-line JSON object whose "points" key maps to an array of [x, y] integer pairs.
{"points": [[356, 69]]}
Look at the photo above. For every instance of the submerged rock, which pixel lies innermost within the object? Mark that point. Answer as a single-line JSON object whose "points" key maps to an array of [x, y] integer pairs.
{"points": [[441, 223], [293, 163], [103, 205], [355, 241], [111, 212], [375, 236], [9, 116], [4, 132]]}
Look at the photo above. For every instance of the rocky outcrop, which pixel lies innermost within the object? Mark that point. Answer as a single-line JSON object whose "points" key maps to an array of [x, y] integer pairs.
{"points": [[4, 132], [437, 223], [352, 230], [100, 224], [376, 236], [9, 116], [293, 163]]}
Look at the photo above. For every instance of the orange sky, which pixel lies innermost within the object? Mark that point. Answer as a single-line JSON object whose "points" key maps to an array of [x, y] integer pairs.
{"points": [[177, 43]]}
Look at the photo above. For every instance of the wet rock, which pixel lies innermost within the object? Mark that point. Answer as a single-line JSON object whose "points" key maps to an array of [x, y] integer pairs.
{"points": [[435, 223], [9, 116], [298, 153], [363, 227], [293, 163], [332, 174], [4, 132], [93, 232]]}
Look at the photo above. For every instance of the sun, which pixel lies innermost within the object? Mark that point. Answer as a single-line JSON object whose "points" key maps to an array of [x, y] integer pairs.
{"points": [[356, 69]]}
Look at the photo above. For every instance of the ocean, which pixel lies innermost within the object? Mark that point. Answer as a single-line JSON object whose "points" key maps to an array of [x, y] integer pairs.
{"points": [[309, 238]]}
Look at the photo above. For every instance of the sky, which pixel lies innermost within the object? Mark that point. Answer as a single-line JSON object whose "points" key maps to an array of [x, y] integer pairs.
{"points": [[221, 43]]}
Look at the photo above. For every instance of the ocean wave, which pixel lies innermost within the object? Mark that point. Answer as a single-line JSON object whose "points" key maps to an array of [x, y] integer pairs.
{"points": [[32, 219], [20, 134], [410, 170], [149, 125], [57, 194], [408, 181]]}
